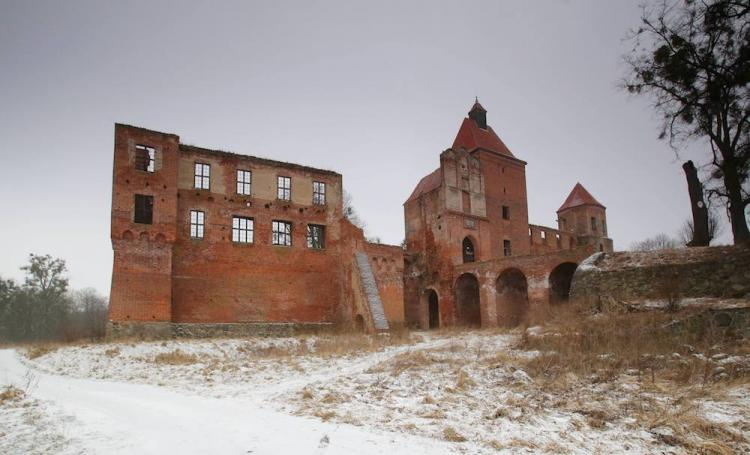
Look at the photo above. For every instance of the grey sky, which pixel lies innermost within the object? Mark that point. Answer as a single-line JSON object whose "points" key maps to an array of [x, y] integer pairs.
{"points": [[373, 90]]}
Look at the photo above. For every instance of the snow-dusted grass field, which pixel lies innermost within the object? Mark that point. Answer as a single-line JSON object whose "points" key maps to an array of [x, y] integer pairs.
{"points": [[438, 392]]}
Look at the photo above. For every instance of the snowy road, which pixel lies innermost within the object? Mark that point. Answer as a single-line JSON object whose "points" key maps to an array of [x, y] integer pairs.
{"points": [[124, 418]]}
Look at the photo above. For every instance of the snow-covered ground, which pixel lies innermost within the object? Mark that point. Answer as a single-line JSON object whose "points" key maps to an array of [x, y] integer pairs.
{"points": [[450, 393]]}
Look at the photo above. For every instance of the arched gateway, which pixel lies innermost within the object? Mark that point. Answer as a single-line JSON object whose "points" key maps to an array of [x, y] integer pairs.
{"points": [[467, 301], [512, 297], [560, 279]]}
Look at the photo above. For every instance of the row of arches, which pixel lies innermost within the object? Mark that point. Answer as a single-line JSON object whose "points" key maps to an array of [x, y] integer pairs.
{"points": [[511, 296]]}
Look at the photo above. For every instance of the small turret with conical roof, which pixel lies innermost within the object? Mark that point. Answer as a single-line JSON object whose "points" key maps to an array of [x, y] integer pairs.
{"points": [[584, 216]]}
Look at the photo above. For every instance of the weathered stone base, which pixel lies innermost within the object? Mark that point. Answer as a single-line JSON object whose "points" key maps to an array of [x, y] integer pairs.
{"points": [[166, 330]]}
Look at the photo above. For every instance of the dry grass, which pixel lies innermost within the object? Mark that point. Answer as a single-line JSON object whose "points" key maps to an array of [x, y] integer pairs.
{"points": [[39, 350], [340, 344], [175, 357], [403, 362], [580, 350], [10, 394], [450, 434], [603, 345], [692, 432], [463, 380]]}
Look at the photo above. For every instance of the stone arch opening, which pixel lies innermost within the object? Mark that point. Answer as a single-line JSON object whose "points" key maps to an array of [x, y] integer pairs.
{"points": [[433, 310], [467, 301], [467, 247], [359, 323], [560, 279], [512, 297]]}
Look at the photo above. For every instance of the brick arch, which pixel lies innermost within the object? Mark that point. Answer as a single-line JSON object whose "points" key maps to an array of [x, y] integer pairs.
{"points": [[127, 235], [560, 279], [511, 297], [466, 290]]}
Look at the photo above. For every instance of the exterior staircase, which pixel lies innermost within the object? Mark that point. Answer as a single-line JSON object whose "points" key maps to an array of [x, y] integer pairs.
{"points": [[370, 288]]}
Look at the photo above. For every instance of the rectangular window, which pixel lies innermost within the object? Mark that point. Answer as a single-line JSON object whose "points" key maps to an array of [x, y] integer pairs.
{"points": [[144, 158], [604, 227], [144, 209], [316, 236], [242, 229], [284, 188], [506, 247], [197, 223], [506, 212], [244, 181], [282, 233], [202, 176], [593, 223], [319, 193]]}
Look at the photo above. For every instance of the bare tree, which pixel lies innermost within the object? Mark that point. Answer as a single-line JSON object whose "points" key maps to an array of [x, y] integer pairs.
{"points": [[686, 233], [692, 58], [658, 242], [350, 212], [88, 315]]}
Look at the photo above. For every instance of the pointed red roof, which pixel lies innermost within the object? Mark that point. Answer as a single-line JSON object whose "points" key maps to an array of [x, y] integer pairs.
{"points": [[471, 136], [427, 184], [579, 196]]}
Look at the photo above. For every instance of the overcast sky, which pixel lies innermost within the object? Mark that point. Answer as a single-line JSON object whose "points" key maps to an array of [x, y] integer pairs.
{"points": [[373, 90]]}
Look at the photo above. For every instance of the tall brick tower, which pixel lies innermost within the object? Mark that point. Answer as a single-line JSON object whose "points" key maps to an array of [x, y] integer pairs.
{"points": [[584, 216], [144, 215]]}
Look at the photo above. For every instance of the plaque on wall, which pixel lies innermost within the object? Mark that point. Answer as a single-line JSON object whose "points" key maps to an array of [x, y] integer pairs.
{"points": [[470, 223]]}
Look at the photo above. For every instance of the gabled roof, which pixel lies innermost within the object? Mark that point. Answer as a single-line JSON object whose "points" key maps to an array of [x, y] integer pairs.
{"points": [[578, 197], [471, 136], [427, 184]]}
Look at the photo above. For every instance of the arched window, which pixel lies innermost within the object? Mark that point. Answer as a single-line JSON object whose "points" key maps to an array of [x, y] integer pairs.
{"points": [[468, 249]]}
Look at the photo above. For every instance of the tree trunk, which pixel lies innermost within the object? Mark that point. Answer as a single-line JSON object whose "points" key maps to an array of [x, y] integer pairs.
{"points": [[736, 207], [701, 235]]}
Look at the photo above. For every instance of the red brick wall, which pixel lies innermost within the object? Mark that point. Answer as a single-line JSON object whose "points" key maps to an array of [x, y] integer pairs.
{"points": [[141, 285], [505, 184], [161, 274], [217, 280], [387, 263]]}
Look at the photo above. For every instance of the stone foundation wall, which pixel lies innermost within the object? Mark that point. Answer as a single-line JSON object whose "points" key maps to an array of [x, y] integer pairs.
{"points": [[689, 272], [165, 330]]}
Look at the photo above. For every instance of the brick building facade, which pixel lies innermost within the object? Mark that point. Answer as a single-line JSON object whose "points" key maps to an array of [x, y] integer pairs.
{"points": [[237, 243], [472, 258], [206, 240]]}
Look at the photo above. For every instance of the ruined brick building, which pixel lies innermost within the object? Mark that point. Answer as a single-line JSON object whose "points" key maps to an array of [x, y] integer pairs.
{"points": [[209, 241], [472, 258], [206, 241]]}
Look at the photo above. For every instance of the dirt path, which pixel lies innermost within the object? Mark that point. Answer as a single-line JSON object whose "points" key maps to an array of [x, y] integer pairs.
{"points": [[116, 417]]}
